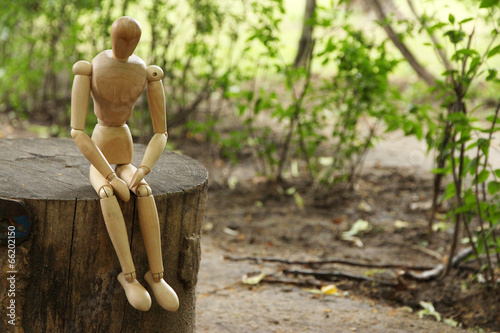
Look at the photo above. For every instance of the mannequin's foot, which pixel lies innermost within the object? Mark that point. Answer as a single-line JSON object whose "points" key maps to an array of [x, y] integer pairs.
{"points": [[164, 294], [136, 294]]}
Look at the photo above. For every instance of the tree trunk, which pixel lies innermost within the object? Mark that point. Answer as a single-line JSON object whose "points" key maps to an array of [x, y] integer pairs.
{"points": [[65, 273], [393, 36], [306, 41]]}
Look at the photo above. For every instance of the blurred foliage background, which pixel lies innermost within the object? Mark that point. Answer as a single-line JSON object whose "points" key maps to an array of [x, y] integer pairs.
{"points": [[304, 87]]}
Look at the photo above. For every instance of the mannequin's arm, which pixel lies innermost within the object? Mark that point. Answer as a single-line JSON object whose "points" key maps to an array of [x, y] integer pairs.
{"points": [[80, 96], [156, 100]]}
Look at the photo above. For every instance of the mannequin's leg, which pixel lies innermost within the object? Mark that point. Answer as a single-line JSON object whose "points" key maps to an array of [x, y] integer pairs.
{"points": [[150, 229], [137, 296]]}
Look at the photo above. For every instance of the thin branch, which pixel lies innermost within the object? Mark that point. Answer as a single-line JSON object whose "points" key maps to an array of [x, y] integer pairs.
{"points": [[393, 36], [464, 61], [481, 221], [438, 177], [357, 166], [490, 135], [456, 217], [298, 101], [440, 51], [332, 276], [306, 283], [330, 261], [426, 275], [439, 269], [461, 256]]}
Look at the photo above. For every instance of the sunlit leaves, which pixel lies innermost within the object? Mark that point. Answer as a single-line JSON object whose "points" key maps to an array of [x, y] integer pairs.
{"points": [[493, 187], [455, 36], [466, 20], [492, 74], [451, 18], [488, 3], [483, 176], [493, 51]]}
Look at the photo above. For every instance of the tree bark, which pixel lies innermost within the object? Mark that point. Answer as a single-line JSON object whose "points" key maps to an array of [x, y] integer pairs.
{"points": [[66, 271], [393, 36], [306, 41]]}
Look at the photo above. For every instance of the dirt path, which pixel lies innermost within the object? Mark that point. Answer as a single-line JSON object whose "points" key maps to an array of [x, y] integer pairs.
{"points": [[262, 222], [225, 305]]}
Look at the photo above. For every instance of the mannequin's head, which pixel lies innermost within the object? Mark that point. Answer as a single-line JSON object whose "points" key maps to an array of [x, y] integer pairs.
{"points": [[125, 35]]}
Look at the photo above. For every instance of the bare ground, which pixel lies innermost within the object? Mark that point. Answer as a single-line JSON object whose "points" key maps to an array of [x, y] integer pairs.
{"points": [[255, 219]]}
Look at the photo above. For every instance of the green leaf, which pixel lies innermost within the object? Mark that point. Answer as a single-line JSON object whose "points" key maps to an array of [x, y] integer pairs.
{"points": [[436, 27], [468, 52], [470, 198], [492, 73], [419, 132], [466, 20], [451, 18], [450, 191], [484, 145], [483, 175], [493, 51], [493, 187], [473, 65], [455, 36], [461, 54], [488, 3], [472, 145], [439, 171], [471, 165], [491, 118]]}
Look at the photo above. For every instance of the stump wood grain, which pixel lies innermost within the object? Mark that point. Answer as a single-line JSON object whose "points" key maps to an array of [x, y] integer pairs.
{"points": [[67, 269]]}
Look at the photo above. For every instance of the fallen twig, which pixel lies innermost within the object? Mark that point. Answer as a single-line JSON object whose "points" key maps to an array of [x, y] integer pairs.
{"points": [[419, 273], [305, 283], [329, 276], [425, 275], [439, 269], [330, 261], [461, 256]]}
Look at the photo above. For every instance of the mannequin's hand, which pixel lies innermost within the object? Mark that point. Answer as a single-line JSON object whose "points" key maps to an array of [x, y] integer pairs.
{"points": [[121, 188], [138, 176]]}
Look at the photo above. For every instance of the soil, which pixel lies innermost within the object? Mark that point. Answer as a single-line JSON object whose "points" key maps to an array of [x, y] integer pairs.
{"points": [[256, 218]]}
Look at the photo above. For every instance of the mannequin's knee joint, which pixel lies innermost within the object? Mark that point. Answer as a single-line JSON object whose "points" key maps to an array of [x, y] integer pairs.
{"points": [[106, 191], [143, 191]]}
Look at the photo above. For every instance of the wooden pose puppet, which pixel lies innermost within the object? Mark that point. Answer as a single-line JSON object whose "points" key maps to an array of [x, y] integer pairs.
{"points": [[116, 79]]}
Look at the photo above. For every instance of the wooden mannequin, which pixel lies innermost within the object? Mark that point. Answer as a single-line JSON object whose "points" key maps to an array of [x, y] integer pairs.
{"points": [[116, 79]]}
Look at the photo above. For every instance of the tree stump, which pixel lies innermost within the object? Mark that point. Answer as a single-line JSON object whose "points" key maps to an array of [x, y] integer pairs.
{"points": [[65, 272]]}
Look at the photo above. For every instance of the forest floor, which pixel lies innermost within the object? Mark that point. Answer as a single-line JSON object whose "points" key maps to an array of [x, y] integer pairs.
{"points": [[253, 218]]}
